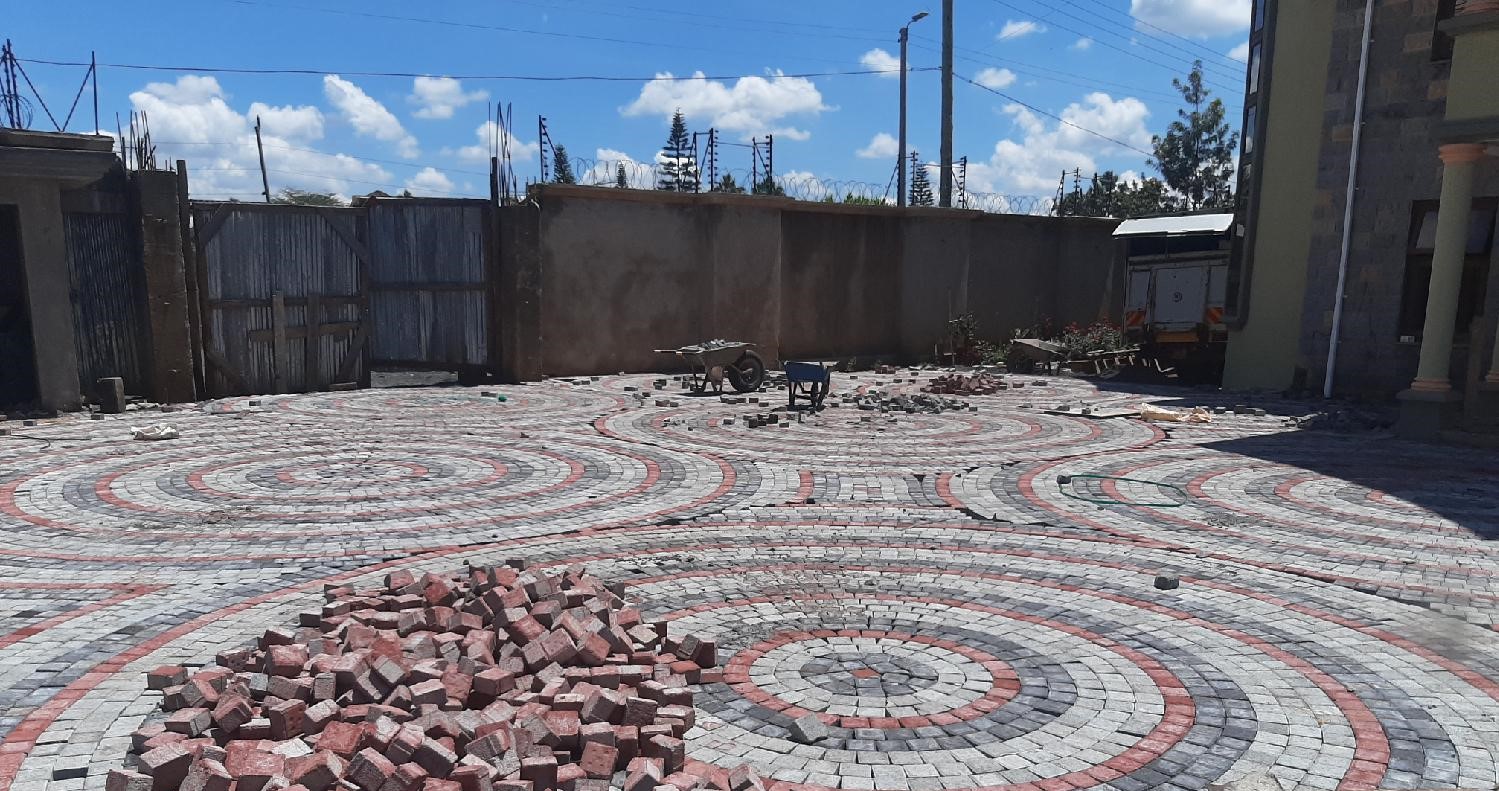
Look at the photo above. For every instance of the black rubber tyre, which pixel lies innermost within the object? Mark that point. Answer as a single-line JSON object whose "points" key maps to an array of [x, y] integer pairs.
{"points": [[1018, 363], [747, 373]]}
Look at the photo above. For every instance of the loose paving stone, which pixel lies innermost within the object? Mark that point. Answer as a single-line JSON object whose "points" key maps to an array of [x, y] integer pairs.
{"points": [[920, 595]]}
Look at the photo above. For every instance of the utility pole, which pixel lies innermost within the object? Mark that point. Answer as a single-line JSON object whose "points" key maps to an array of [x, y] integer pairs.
{"points": [[265, 181], [945, 178], [900, 162]]}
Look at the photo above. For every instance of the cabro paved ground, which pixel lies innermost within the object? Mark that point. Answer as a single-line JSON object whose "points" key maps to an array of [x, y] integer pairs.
{"points": [[956, 617]]}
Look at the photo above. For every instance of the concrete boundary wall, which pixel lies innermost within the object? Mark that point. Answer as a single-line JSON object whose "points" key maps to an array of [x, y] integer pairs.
{"points": [[596, 278]]}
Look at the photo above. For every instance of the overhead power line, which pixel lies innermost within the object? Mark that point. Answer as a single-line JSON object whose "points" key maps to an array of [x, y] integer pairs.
{"points": [[473, 77], [1165, 33], [1146, 40], [1115, 47], [1116, 141]]}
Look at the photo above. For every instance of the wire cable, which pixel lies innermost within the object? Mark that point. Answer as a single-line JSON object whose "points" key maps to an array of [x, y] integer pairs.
{"points": [[473, 77], [1055, 117]]}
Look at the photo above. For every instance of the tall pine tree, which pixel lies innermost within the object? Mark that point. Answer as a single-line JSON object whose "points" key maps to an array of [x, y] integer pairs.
{"points": [[562, 167], [619, 176], [677, 162], [1196, 156], [921, 186]]}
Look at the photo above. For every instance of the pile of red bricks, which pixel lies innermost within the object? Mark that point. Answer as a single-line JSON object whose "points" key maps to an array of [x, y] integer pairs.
{"points": [[958, 384], [500, 679]]}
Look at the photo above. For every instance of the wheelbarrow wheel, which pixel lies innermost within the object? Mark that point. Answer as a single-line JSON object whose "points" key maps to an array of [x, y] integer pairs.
{"points": [[1017, 362], [747, 373]]}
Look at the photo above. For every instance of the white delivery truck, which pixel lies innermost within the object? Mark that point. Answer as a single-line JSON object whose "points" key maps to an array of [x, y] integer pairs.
{"points": [[1176, 285]]}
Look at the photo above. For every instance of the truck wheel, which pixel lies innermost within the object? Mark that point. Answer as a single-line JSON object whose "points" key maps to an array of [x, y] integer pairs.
{"points": [[747, 373], [1018, 363]]}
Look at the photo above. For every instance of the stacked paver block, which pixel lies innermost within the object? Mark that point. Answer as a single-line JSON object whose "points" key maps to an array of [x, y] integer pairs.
{"points": [[958, 384], [499, 679]]}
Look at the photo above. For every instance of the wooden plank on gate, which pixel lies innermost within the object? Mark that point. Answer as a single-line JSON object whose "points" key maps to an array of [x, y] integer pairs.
{"points": [[312, 356], [294, 333], [360, 251], [356, 351], [279, 362], [215, 223], [236, 380]]}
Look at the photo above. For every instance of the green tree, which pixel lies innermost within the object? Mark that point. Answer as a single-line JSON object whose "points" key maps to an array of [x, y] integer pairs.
{"points": [[619, 176], [768, 186], [729, 185], [1108, 196], [862, 200], [1196, 155], [307, 198], [677, 161], [562, 167], [921, 186]]}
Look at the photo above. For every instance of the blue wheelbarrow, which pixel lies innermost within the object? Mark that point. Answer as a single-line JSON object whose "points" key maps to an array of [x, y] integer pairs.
{"points": [[808, 382]]}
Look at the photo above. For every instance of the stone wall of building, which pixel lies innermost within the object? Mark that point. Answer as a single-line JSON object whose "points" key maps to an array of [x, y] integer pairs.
{"points": [[1405, 103]]}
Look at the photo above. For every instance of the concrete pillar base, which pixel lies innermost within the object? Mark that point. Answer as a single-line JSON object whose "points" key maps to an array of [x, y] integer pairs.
{"points": [[1488, 401], [1424, 413]]}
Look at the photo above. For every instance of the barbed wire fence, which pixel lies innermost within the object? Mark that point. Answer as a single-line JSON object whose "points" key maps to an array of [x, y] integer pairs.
{"points": [[630, 174]]}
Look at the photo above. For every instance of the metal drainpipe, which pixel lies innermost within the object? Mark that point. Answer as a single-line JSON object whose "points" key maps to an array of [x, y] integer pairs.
{"points": [[1358, 134]]}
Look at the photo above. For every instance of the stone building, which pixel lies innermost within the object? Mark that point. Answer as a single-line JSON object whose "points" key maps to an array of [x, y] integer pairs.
{"points": [[1418, 265]]}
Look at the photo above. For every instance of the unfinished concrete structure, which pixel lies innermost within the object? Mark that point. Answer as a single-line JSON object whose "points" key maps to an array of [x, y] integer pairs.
{"points": [[37, 341]]}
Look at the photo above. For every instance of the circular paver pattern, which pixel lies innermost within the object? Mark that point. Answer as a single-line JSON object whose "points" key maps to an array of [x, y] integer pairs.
{"points": [[928, 593], [853, 439], [264, 489], [1341, 514], [949, 653]]}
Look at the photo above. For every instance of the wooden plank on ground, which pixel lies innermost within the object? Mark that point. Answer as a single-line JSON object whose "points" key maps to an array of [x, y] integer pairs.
{"points": [[356, 351], [236, 380], [279, 362]]}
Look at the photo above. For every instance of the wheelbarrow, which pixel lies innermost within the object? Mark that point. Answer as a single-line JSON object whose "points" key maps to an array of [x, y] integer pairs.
{"points": [[1026, 353], [808, 381], [711, 362]]}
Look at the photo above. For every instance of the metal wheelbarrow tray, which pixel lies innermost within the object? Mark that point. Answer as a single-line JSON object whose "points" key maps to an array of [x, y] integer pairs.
{"points": [[710, 362]]}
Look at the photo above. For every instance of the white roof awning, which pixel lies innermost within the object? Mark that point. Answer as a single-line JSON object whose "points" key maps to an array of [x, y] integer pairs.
{"points": [[1176, 226]]}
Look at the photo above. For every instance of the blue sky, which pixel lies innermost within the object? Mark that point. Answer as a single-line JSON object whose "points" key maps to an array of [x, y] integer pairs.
{"points": [[1103, 65]]}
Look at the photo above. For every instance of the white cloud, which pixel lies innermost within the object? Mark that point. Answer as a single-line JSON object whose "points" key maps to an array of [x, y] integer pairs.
{"points": [[438, 97], [752, 106], [429, 180], [292, 123], [1240, 53], [1032, 165], [368, 116], [883, 146], [218, 142], [1200, 18], [997, 79], [1083, 44], [881, 61], [1017, 28], [481, 151]]}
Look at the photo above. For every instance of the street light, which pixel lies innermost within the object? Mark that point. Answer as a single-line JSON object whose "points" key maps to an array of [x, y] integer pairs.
{"points": [[900, 164]]}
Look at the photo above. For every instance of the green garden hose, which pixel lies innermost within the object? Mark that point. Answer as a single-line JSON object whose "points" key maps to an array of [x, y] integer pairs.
{"points": [[1066, 480]]}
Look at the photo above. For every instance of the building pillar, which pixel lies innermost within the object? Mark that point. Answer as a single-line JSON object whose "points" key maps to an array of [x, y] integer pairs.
{"points": [[1447, 266], [1430, 400]]}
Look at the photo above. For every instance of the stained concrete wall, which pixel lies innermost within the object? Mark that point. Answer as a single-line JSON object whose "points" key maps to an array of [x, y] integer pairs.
{"points": [[623, 272]]}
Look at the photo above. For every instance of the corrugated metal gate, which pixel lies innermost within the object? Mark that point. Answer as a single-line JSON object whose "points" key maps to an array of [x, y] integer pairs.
{"points": [[399, 283], [282, 296], [430, 279], [111, 329]]}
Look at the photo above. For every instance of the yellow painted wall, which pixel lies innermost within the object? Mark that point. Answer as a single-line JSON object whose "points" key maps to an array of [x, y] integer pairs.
{"points": [[1263, 354], [1472, 92]]}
